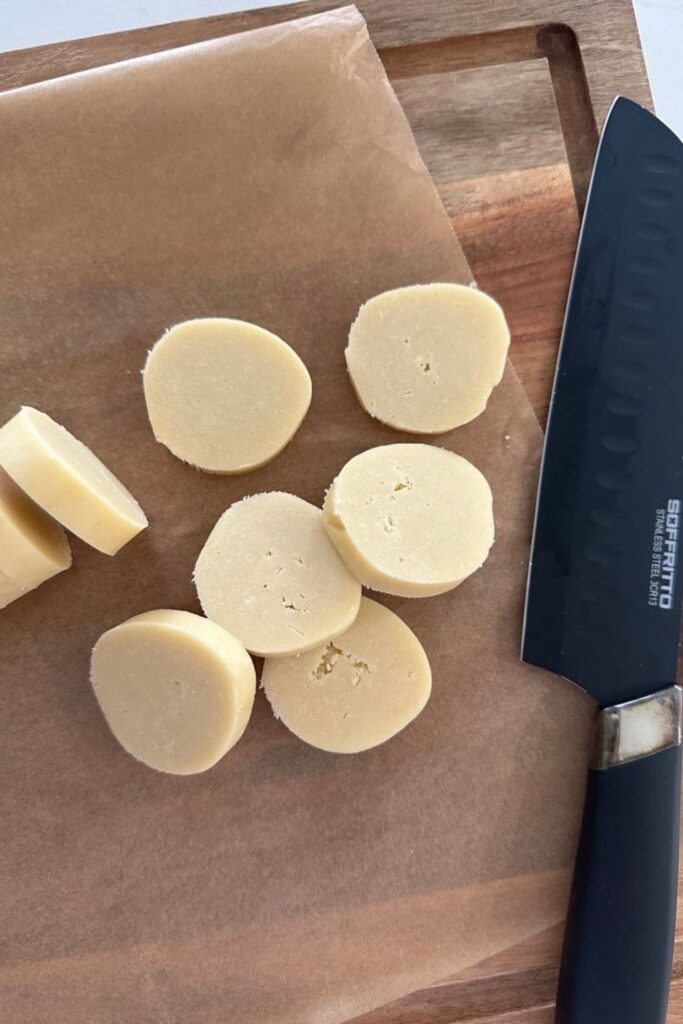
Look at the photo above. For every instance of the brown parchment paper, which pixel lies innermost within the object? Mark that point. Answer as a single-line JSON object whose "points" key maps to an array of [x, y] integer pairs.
{"points": [[269, 176]]}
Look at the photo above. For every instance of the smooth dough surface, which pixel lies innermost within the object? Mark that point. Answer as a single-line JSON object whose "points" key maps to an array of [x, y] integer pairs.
{"points": [[68, 481], [356, 691], [426, 358], [176, 690], [269, 574], [412, 520], [32, 545], [9, 591], [225, 395]]}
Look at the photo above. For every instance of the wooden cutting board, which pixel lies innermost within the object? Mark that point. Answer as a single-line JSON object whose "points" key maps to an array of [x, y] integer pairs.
{"points": [[505, 105]]}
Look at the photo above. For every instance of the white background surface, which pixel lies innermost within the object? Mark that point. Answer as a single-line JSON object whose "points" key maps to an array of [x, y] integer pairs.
{"points": [[32, 22]]}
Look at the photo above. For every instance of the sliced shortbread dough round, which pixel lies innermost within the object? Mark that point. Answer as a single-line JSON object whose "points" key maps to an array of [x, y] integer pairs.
{"points": [[269, 574], [412, 520], [33, 547], [68, 481], [354, 692], [176, 690], [225, 395], [426, 358], [9, 591]]}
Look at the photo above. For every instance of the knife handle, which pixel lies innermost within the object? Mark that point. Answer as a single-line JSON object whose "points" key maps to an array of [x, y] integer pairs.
{"points": [[618, 945]]}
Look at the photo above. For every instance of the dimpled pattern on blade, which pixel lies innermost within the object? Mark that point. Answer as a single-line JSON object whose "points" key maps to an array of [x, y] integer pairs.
{"points": [[604, 597]]}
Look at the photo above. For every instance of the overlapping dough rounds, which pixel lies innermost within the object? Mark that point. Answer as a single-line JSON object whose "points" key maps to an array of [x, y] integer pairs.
{"points": [[412, 520], [269, 574], [426, 358], [225, 395], [356, 691], [68, 481], [33, 547]]}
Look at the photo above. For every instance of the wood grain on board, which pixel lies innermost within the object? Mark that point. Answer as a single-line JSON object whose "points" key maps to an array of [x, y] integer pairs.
{"points": [[518, 222], [505, 104]]}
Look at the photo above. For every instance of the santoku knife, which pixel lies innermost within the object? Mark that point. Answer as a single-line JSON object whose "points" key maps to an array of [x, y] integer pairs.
{"points": [[605, 581]]}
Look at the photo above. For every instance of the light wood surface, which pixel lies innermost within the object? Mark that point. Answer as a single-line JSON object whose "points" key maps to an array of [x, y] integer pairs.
{"points": [[505, 101]]}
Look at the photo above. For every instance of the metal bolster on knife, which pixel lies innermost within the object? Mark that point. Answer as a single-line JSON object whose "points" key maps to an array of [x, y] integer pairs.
{"points": [[637, 728]]}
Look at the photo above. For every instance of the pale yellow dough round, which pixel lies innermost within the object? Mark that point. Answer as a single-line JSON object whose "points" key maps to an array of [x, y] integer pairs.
{"points": [[33, 547], [269, 574], [354, 692], [412, 520], [225, 395], [176, 690], [68, 481], [426, 358], [9, 591]]}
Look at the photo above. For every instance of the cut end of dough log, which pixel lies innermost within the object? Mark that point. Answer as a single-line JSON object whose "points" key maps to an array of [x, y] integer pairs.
{"points": [[68, 481], [411, 520], [269, 574], [425, 358], [354, 692], [33, 548], [176, 690], [224, 395]]}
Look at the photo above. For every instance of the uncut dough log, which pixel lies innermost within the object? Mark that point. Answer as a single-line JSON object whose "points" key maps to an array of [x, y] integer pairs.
{"points": [[269, 574], [68, 481], [33, 548], [225, 395], [354, 692], [426, 358], [176, 690], [412, 520]]}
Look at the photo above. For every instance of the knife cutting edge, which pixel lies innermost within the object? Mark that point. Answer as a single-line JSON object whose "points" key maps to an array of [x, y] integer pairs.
{"points": [[605, 581]]}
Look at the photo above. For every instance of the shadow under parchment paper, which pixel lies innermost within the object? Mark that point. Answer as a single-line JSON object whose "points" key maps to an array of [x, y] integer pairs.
{"points": [[269, 176]]}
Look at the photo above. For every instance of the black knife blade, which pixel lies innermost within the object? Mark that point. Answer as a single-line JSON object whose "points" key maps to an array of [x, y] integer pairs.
{"points": [[604, 596], [605, 582]]}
